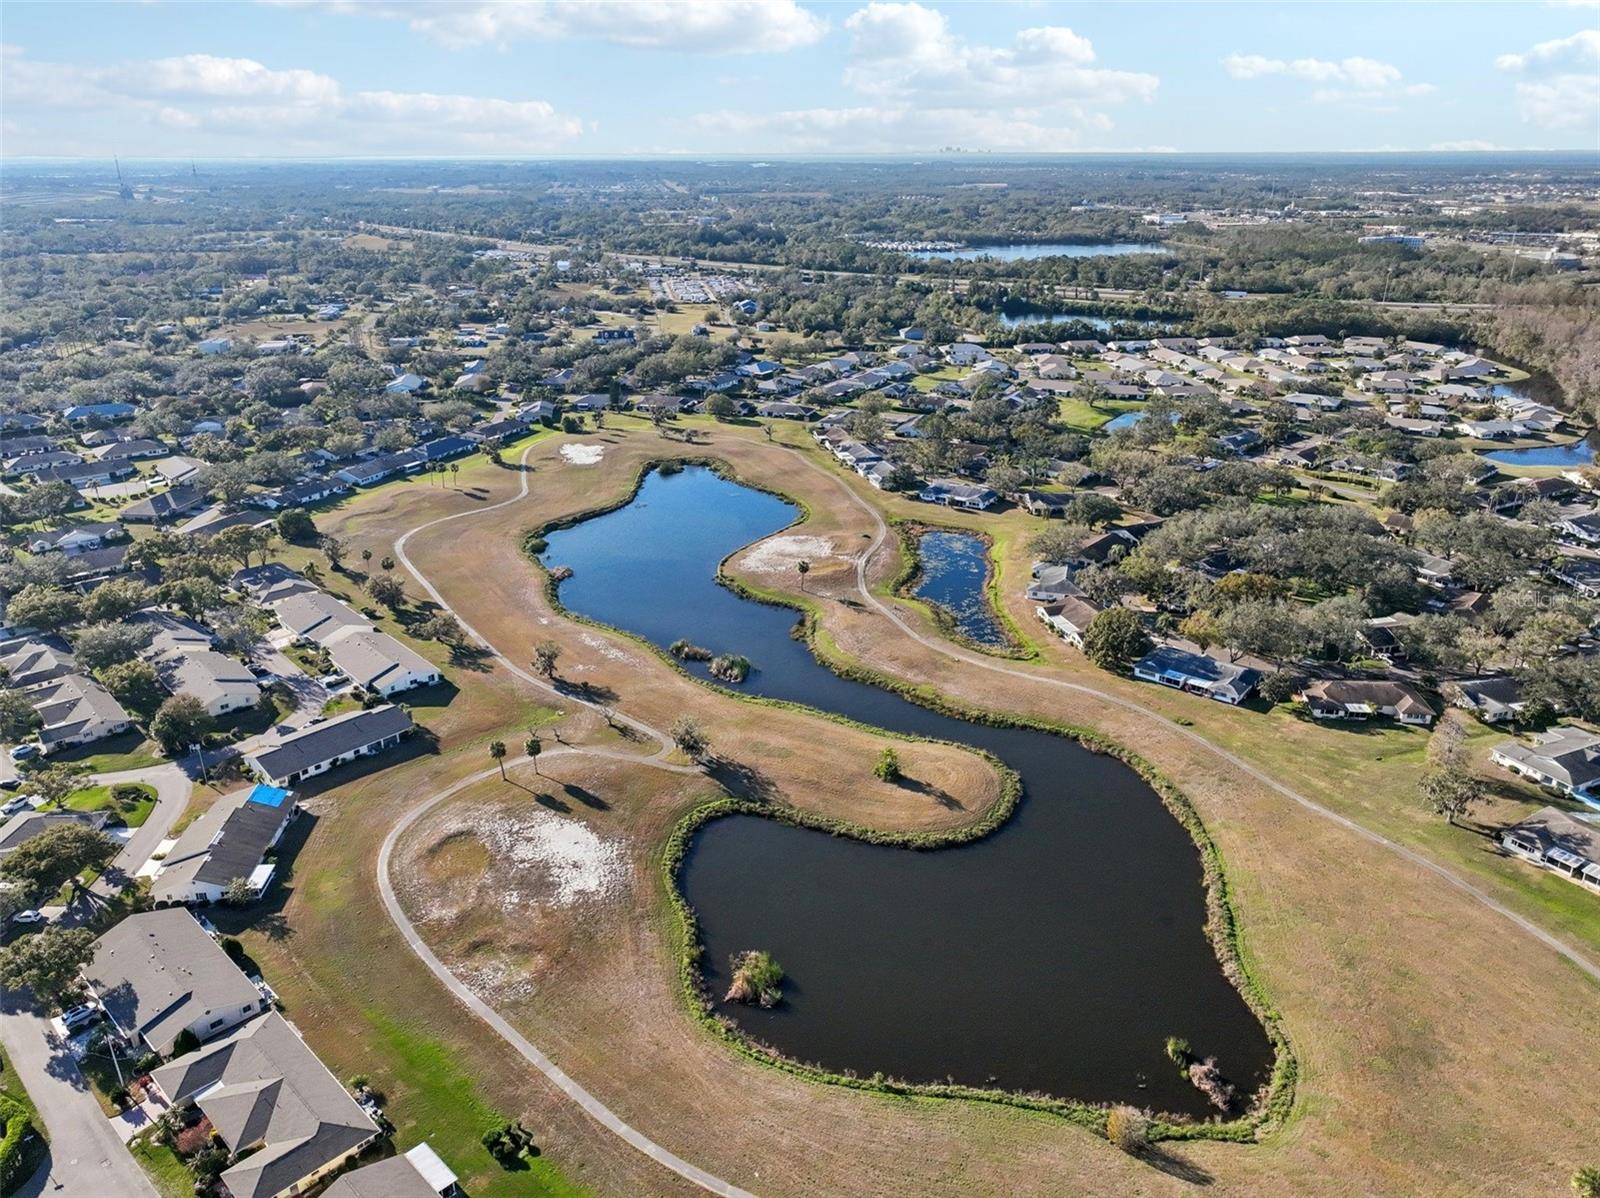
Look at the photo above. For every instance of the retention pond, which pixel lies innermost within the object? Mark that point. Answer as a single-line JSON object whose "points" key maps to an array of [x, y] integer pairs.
{"points": [[1055, 955]]}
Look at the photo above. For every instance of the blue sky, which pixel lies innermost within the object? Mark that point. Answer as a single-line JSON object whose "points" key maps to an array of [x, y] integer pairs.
{"points": [[297, 78]]}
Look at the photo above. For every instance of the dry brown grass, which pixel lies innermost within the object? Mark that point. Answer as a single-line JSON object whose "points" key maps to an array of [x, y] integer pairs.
{"points": [[1440, 1052]]}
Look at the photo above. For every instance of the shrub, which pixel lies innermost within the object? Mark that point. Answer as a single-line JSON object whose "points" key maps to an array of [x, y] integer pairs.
{"points": [[757, 978], [507, 1141], [1586, 1182], [888, 767], [127, 793], [688, 651], [186, 1042], [1208, 1079], [1178, 1052], [1280, 687], [730, 667], [1128, 1128]]}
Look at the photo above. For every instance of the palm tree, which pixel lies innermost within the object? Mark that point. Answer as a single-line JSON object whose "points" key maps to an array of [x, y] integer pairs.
{"points": [[497, 750], [455, 469], [533, 747], [387, 563], [366, 561], [805, 568]]}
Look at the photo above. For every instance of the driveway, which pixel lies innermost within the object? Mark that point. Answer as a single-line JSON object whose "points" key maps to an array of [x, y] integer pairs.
{"points": [[86, 1156], [173, 787]]}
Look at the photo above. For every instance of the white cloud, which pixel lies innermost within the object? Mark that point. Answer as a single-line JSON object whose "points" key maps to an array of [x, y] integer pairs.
{"points": [[201, 104], [1346, 80], [907, 51], [704, 26], [1580, 52], [920, 87], [1466, 145], [1561, 84]]}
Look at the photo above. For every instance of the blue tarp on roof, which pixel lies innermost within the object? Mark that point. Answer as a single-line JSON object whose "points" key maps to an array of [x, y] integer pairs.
{"points": [[267, 796]]}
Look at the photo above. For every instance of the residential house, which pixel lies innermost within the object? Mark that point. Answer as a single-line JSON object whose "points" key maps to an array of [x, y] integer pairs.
{"points": [[417, 1173], [1565, 758], [1360, 699], [285, 1118], [74, 709], [1492, 700], [76, 539], [1582, 574], [950, 492], [220, 683], [319, 748], [228, 841], [377, 662], [1198, 674], [1068, 618], [162, 506], [158, 974], [1554, 840], [312, 617], [25, 825], [1051, 583]]}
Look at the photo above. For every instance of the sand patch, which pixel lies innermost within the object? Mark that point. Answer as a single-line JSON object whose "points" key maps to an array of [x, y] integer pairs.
{"points": [[583, 455], [535, 858], [785, 553]]}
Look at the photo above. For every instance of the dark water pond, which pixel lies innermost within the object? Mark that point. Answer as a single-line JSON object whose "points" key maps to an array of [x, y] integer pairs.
{"points": [[1029, 250], [1055, 955], [955, 569]]}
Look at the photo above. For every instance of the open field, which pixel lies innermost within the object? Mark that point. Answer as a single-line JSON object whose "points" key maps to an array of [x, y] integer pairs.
{"points": [[1398, 1096]]}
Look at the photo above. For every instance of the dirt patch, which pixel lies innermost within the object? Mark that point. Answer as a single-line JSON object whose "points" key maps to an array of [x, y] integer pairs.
{"points": [[780, 555], [527, 857], [583, 455]]}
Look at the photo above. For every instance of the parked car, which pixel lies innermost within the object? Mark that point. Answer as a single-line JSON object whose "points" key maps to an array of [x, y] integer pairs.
{"points": [[76, 1018], [23, 752], [28, 916], [14, 806], [333, 681], [10, 783]]}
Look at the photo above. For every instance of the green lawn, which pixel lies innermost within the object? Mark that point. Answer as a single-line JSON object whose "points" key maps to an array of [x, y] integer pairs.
{"points": [[129, 751], [1081, 418], [442, 1103], [98, 798], [169, 1175], [27, 1160]]}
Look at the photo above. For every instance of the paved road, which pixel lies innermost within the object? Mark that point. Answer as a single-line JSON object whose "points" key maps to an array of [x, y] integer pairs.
{"points": [[87, 1160], [966, 657], [173, 787]]}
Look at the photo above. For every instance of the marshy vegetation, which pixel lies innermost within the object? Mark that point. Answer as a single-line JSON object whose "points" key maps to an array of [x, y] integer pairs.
{"points": [[757, 978]]}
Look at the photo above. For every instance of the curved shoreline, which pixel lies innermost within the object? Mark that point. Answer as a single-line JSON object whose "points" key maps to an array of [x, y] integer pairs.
{"points": [[1272, 1102], [1016, 646]]}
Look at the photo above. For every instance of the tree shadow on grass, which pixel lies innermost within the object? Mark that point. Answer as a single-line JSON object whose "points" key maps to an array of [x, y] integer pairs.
{"points": [[942, 797], [742, 781], [588, 692], [1173, 1165], [587, 797]]}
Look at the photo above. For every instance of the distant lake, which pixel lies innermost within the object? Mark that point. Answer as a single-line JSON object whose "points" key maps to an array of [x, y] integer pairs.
{"points": [[1047, 249], [1012, 317], [1578, 453]]}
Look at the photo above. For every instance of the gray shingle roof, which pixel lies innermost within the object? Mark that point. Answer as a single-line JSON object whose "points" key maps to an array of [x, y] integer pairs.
{"points": [[341, 735], [260, 1084], [158, 972]]}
